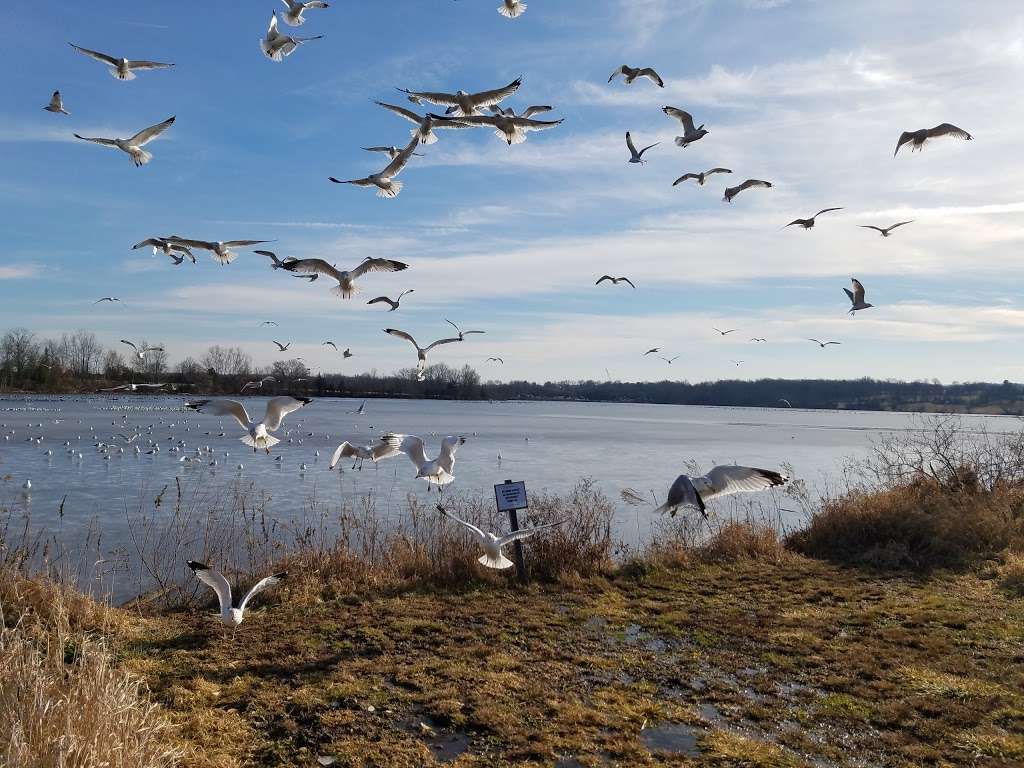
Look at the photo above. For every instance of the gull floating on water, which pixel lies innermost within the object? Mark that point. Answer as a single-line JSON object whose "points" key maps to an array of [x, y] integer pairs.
{"points": [[122, 69], [385, 181], [377, 452], [690, 134], [634, 156], [720, 481], [630, 74], [856, 296], [425, 124], [258, 437], [56, 104], [731, 192], [220, 250], [277, 45], [133, 145], [229, 615], [809, 223], [885, 232], [141, 353], [461, 102], [493, 544], [615, 280], [700, 177], [346, 287], [421, 352], [439, 471], [293, 17], [395, 303], [917, 139], [511, 130]]}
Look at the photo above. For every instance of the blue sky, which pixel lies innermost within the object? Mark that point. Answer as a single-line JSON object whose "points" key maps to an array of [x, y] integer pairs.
{"points": [[809, 95]]}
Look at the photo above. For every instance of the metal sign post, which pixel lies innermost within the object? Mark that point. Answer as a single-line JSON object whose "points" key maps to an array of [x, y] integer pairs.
{"points": [[511, 497]]}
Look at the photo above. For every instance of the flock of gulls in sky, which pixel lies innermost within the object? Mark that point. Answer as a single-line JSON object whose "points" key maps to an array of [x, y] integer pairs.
{"points": [[447, 111]]}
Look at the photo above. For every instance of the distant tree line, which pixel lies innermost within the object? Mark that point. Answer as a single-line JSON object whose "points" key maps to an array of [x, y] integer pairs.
{"points": [[78, 362]]}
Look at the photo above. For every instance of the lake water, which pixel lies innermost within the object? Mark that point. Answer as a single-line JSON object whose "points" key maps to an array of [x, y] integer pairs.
{"points": [[549, 445]]}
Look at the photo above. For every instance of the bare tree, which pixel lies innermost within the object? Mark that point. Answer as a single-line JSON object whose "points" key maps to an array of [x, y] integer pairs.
{"points": [[84, 352], [18, 351]]}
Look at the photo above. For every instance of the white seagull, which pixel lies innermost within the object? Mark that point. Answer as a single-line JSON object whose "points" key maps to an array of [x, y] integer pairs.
{"points": [[917, 139], [141, 353], [720, 481], [133, 145], [277, 263], [346, 287], [276, 45], [461, 332], [293, 17], [632, 73], [886, 231], [510, 129], [391, 151], [809, 223], [165, 247], [258, 437], [634, 156], [231, 616], [439, 471], [461, 102], [56, 104], [731, 192], [425, 124], [493, 544], [107, 298], [512, 9], [700, 178], [690, 134], [258, 384], [824, 344], [385, 181], [122, 69], [282, 347], [220, 250], [377, 452], [421, 352], [536, 109], [856, 296], [394, 303]]}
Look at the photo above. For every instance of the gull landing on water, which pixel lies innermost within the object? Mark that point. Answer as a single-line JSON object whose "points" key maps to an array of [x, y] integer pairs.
{"points": [[689, 491], [461, 102], [856, 296], [690, 134], [346, 279], [56, 104], [231, 616], [493, 544], [634, 156], [887, 231], [394, 303], [276, 45], [421, 352], [258, 437], [439, 471], [385, 181], [293, 17], [809, 223], [133, 145], [122, 69], [630, 74]]}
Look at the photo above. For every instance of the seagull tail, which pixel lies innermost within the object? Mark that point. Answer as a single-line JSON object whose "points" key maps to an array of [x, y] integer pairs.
{"points": [[115, 72], [512, 13], [140, 157], [499, 563], [264, 442], [391, 191], [345, 292], [425, 138], [680, 141]]}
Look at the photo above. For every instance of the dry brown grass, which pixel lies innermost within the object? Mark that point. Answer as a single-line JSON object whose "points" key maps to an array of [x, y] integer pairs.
{"points": [[1011, 573]]}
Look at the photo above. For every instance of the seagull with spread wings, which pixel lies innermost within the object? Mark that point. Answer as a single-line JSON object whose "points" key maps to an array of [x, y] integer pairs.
{"points": [[141, 353], [421, 352], [258, 431], [385, 181], [439, 471], [276, 45], [392, 151], [282, 347], [634, 156], [133, 145], [230, 615], [56, 104], [293, 16], [886, 231], [511, 130], [725, 332], [690, 133], [824, 344], [651, 351], [615, 280], [359, 453], [700, 178], [461, 332], [493, 544], [669, 360], [695, 492], [394, 303], [165, 247], [258, 384], [122, 69], [220, 250], [630, 74], [425, 124], [731, 192], [856, 296], [917, 139], [461, 102], [528, 112], [111, 299], [346, 287], [495, 360], [276, 263], [809, 223], [512, 9]]}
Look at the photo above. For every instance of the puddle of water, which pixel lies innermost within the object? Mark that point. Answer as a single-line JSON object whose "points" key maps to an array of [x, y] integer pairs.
{"points": [[672, 737], [446, 746]]}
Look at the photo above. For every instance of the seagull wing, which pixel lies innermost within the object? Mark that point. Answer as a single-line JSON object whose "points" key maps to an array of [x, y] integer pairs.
{"points": [[869, 226], [243, 243], [402, 335], [685, 177], [524, 533], [223, 407], [480, 534], [948, 129], [682, 116], [526, 124], [439, 342], [312, 266], [378, 265], [97, 140], [713, 171], [649, 146], [825, 210], [630, 145], [411, 446], [143, 64], [754, 183], [903, 139], [536, 110], [401, 159], [96, 55], [408, 114], [125, 341], [342, 451], [628, 282], [434, 97], [858, 290], [487, 98], [446, 458], [216, 581], [649, 73], [620, 71], [900, 224], [603, 278], [279, 407], [725, 480], [259, 586], [146, 135]]}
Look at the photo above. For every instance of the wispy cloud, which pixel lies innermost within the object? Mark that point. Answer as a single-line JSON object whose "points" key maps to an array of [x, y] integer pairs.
{"points": [[18, 272]]}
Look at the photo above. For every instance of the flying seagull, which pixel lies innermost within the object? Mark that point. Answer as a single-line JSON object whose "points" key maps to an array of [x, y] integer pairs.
{"points": [[425, 124], [824, 344], [160, 245], [122, 69], [650, 351], [464, 103], [784, 400], [392, 151], [107, 298], [229, 615], [395, 303], [258, 437], [346, 287], [376, 452], [439, 471], [492, 544], [269, 322], [293, 17], [856, 296], [512, 9], [689, 491], [511, 130], [918, 138], [528, 112], [56, 104], [495, 360], [737, 363], [347, 353], [634, 156], [731, 192], [258, 384], [632, 73], [461, 332], [421, 352], [276, 263], [615, 280], [276, 45], [282, 347], [330, 344], [690, 134], [809, 223], [385, 181], [669, 360], [141, 353], [725, 333], [133, 145], [700, 178], [220, 250], [887, 230], [758, 340]]}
